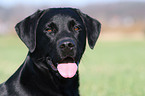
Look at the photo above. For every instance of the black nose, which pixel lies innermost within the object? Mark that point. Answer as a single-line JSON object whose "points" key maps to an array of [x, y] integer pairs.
{"points": [[66, 45]]}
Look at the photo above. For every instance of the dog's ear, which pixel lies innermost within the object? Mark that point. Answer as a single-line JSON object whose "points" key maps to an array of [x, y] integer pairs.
{"points": [[93, 28], [26, 30]]}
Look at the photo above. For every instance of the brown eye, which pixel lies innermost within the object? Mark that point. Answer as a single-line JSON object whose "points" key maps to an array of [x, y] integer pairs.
{"points": [[49, 30], [76, 28]]}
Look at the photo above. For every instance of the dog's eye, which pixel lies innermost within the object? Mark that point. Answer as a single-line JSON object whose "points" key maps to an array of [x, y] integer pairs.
{"points": [[49, 29], [76, 28]]}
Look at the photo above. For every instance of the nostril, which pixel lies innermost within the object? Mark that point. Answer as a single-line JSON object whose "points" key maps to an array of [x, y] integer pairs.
{"points": [[70, 45], [66, 45], [62, 46]]}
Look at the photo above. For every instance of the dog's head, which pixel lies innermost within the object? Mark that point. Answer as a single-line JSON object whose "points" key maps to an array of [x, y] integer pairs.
{"points": [[59, 36]]}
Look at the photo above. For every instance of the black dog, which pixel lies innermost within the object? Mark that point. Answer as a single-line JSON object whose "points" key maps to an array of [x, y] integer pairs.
{"points": [[56, 40]]}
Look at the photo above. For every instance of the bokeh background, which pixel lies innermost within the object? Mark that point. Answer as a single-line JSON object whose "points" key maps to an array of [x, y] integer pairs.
{"points": [[116, 66]]}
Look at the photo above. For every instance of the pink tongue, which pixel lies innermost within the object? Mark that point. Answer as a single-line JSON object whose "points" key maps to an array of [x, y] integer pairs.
{"points": [[67, 70]]}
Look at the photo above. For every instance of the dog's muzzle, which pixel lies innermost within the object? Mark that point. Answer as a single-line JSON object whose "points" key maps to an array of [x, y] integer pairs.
{"points": [[66, 66]]}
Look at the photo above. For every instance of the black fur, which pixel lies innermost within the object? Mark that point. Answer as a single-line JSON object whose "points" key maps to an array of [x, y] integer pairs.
{"points": [[52, 36]]}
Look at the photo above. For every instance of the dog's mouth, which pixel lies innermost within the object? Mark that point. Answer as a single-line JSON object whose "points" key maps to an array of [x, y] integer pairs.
{"points": [[67, 60], [67, 67]]}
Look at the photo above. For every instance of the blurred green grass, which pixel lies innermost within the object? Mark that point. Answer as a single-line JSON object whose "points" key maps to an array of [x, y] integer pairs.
{"points": [[111, 69]]}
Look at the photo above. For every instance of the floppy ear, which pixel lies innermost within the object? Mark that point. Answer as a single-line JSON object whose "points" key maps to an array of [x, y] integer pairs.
{"points": [[26, 30], [93, 28]]}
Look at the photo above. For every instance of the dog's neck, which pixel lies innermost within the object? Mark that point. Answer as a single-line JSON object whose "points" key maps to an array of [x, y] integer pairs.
{"points": [[40, 74]]}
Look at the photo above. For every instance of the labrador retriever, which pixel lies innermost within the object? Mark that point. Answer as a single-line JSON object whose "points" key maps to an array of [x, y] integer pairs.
{"points": [[56, 39]]}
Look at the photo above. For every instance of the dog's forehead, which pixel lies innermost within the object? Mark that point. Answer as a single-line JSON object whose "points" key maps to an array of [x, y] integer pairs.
{"points": [[60, 18], [62, 11], [60, 15]]}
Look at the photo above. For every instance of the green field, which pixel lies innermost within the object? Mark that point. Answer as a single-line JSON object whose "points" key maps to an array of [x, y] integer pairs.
{"points": [[111, 69]]}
